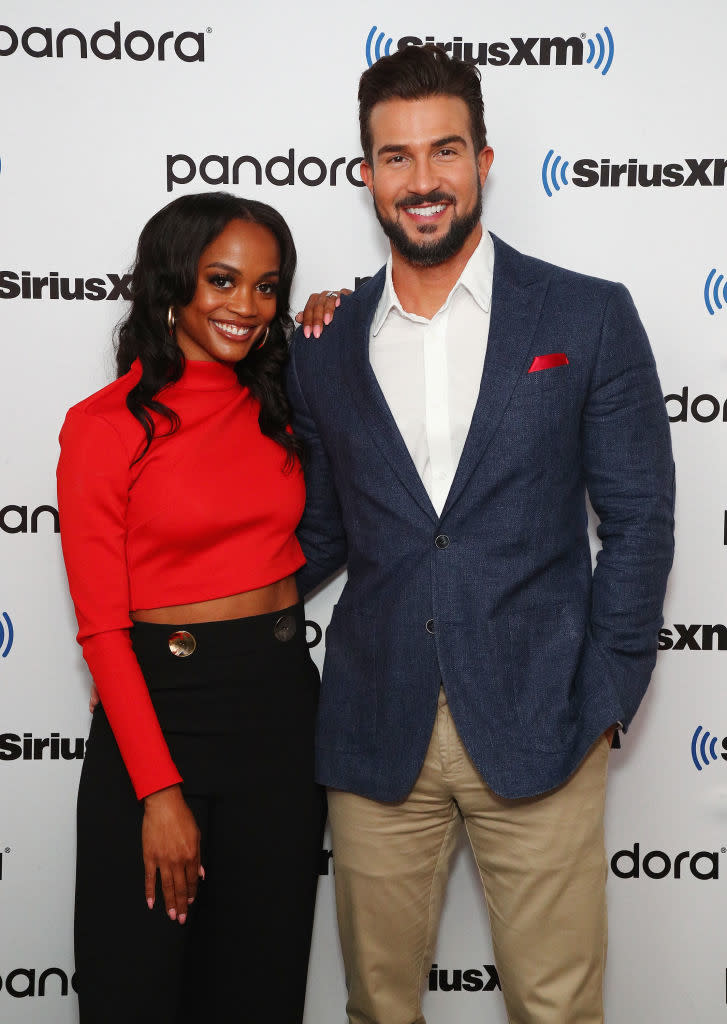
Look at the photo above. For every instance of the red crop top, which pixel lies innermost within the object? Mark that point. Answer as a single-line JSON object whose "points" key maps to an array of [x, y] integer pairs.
{"points": [[208, 512]]}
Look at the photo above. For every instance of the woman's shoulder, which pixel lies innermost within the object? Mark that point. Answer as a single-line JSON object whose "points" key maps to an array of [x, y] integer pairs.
{"points": [[107, 408]]}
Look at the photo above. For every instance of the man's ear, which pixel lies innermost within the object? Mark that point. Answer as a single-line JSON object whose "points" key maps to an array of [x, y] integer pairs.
{"points": [[367, 175], [484, 162]]}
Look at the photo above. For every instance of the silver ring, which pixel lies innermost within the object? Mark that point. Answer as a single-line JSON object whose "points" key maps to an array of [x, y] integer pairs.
{"points": [[329, 295]]}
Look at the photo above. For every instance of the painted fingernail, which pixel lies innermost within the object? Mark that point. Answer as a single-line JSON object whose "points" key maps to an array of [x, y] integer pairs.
{"points": [[317, 331], [201, 873], [150, 904], [306, 331], [327, 318], [182, 918], [173, 914]]}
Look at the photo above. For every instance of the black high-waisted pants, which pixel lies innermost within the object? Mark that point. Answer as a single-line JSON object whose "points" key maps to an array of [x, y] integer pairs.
{"points": [[238, 715]]}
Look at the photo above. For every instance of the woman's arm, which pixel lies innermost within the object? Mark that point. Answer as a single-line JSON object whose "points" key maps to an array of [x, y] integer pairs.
{"points": [[93, 487]]}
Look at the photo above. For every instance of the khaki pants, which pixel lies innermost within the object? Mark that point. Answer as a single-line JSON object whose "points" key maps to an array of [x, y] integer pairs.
{"points": [[543, 868]]}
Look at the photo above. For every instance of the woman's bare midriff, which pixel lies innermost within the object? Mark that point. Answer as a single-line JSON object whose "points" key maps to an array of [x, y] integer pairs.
{"points": [[272, 598]]}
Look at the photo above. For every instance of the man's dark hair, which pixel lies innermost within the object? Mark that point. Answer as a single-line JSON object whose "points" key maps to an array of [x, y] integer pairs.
{"points": [[413, 74]]}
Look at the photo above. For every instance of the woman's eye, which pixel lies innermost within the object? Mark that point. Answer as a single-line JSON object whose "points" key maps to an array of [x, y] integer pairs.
{"points": [[267, 287], [221, 281]]}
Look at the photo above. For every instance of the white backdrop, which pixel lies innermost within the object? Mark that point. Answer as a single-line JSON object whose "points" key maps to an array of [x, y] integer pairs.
{"points": [[91, 147]]}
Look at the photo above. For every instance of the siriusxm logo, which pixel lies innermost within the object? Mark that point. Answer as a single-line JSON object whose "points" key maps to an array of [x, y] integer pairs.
{"points": [[106, 43], [715, 289], [587, 172], [596, 51], [696, 637], [704, 748], [52, 286], [7, 634], [28, 747], [471, 979]]}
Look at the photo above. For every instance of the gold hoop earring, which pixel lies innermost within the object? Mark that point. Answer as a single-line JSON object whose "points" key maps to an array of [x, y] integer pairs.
{"points": [[171, 321], [261, 343]]}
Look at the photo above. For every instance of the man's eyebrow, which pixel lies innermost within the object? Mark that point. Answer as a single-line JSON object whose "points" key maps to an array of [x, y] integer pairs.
{"points": [[394, 147], [447, 140], [399, 147]]}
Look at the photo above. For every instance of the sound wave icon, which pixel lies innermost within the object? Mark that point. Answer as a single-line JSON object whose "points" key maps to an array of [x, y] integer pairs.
{"points": [[373, 50], [6, 634], [553, 171], [715, 289], [606, 51], [702, 748]]}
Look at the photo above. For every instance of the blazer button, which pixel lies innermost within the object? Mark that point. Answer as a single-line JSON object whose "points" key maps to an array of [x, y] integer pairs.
{"points": [[442, 541], [429, 625]]}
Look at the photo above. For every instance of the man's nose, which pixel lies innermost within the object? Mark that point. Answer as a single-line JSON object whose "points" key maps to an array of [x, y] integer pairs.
{"points": [[424, 177]]}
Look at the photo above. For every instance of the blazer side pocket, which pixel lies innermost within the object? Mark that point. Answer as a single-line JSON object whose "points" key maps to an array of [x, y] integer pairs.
{"points": [[545, 645], [348, 702]]}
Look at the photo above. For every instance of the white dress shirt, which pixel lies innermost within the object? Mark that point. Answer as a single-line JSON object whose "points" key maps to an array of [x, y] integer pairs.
{"points": [[430, 370]]}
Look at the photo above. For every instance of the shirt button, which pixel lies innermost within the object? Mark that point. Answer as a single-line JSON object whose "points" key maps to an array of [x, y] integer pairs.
{"points": [[442, 541], [429, 625]]}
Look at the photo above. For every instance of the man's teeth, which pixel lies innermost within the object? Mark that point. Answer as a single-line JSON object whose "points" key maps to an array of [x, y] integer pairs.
{"points": [[231, 329], [426, 211]]}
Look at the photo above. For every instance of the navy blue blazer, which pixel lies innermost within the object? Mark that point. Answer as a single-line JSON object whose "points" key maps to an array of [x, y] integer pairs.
{"points": [[495, 599]]}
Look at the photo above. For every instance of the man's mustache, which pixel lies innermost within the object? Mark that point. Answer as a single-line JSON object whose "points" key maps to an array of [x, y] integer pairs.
{"points": [[416, 199]]}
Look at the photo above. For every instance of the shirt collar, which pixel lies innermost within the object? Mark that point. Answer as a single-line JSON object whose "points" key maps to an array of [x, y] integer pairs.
{"points": [[476, 278]]}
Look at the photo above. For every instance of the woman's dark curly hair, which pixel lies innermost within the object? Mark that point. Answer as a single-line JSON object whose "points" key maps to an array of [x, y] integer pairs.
{"points": [[165, 274]]}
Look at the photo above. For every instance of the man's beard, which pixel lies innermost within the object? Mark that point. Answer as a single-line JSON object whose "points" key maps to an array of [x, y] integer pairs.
{"points": [[431, 254]]}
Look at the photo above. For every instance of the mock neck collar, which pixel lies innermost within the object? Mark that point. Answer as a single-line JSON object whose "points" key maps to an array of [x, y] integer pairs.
{"points": [[207, 375], [198, 375]]}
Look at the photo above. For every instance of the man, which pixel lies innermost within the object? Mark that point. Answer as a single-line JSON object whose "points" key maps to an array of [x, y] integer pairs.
{"points": [[455, 413]]}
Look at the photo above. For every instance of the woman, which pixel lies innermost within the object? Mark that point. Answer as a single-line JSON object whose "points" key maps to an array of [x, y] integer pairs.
{"points": [[179, 490]]}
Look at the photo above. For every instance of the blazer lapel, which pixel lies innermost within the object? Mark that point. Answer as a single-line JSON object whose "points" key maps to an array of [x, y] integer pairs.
{"points": [[517, 299], [369, 398]]}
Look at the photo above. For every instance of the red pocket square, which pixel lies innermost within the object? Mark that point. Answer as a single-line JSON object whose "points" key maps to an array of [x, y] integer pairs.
{"points": [[546, 362]]}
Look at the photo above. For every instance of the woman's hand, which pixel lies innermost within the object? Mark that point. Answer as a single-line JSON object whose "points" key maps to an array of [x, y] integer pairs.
{"points": [[94, 699], [170, 840], [319, 311]]}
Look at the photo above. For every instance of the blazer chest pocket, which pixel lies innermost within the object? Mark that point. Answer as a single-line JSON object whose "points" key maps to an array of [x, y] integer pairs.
{"points": [[549, 378]]}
